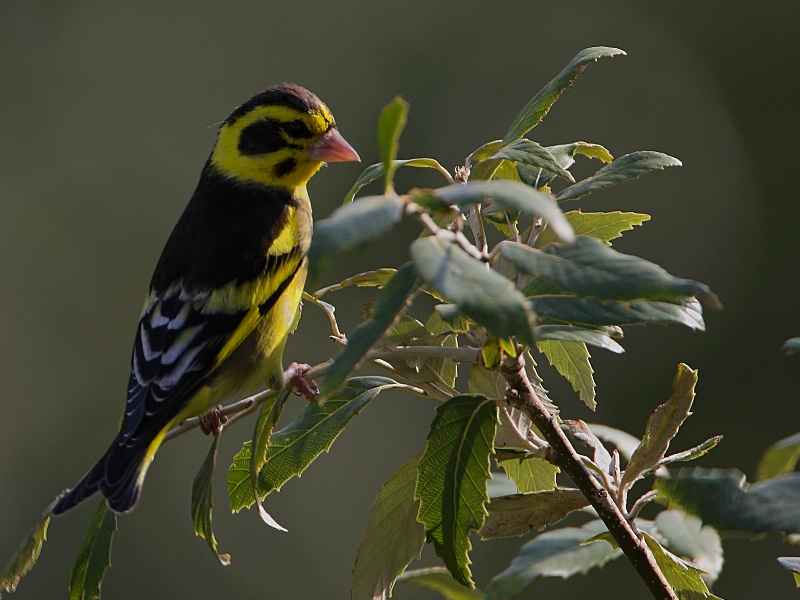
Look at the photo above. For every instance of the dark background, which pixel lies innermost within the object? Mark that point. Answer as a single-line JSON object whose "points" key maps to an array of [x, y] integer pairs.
{"points": [[107, 113]]}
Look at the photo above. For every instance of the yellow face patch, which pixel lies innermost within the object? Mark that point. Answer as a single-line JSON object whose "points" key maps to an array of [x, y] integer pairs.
{"points": [[284, 161]]}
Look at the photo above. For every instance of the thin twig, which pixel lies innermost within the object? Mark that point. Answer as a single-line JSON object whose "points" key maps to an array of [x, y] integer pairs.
{"points": [[329, 310], [640, 503], [445, 234]]}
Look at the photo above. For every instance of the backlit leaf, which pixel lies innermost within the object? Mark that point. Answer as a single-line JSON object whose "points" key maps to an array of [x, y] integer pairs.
{"points": [[571, 360], [94, 555], [480, 293], [531, 474], [350, 227], [391, 122], [26, 556], [535, 110], [781, 457], [392, 538], [203, 502], [520, 513], [625, 167], [682, 576], [488, 382], [452, 478], [587, 268], [605, 226], [662, 426]]}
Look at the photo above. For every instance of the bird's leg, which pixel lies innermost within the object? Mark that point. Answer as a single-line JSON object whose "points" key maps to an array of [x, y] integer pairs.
{"points": [[303, 387], [213, 421]]}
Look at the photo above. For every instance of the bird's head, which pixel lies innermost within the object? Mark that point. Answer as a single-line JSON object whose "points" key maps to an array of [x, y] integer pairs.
{"points": [[281, 137]]}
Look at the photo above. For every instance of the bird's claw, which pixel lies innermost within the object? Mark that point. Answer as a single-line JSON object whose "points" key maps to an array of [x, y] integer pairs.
{"points": [[213, 421], [307, 388]]}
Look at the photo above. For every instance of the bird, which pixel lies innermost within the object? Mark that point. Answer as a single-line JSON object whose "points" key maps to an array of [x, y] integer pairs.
{"points": [[226, 291]]}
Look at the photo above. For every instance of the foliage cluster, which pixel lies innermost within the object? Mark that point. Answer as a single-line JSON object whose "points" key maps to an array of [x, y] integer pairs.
{"points": [[514, 278]]}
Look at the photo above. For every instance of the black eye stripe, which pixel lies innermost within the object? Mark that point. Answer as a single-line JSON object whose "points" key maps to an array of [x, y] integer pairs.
{"points": [[262, 137]]}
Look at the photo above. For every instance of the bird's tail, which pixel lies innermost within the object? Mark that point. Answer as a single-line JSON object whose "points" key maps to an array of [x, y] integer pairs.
{"points": [[118, 475]]}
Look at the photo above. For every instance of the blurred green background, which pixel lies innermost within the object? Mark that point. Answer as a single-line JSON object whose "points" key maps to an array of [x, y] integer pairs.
{"points": [[107, 113]]}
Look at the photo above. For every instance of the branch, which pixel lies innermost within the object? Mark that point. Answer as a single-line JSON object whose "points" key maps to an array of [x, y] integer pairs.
{"points": [[522, 395], [241, 408]]}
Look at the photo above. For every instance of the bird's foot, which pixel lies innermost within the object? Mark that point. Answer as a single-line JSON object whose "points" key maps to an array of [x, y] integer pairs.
{"points": [[295, 374], [213, 421]]}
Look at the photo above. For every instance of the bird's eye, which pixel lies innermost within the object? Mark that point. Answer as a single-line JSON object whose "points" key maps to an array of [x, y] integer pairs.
{"points": [[297, 129]]}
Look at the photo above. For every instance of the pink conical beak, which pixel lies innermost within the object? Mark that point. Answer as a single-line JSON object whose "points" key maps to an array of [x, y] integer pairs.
{"points": [[332, 147]]}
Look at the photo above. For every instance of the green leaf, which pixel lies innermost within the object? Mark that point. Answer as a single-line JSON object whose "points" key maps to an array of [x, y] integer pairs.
{"points": [[535, 110], [377, 170], [521, 513], [688, 537], [530, 474], [511, 196], [723, 499], [94, 555], [449, 368], [604, 226], [295, 446], [532, 154], [791, 563], [391, 122], [682, 576], [590, 269], [556, 553], [568, 333], [571, 360], [390, 302], [26, 556], [662, 426], [791, 346], [349, 228], [488, 382], [452, 478], [267, 419], [481, 294], [491, 353], [393, 536], [203, 502], [484, 152], [781, 457], [376, 278], [587, 312], [564, 155], [438, 579], [626, 167]]}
